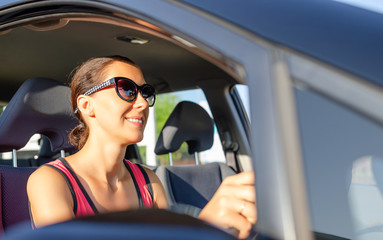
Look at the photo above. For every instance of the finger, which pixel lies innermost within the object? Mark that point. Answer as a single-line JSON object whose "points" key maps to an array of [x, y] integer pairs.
{"points": [[249, 211], [244, 208], [243, 178], [241, 224]]}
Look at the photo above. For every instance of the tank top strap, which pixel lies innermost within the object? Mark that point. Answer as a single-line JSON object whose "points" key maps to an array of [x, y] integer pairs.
{"points": [[83, 204], [142, 182]]}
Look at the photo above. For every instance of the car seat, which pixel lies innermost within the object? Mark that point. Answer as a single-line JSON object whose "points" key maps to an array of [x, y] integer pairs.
{"points": [[366, 197], [40, 105], [132, 154], [189, 184]]}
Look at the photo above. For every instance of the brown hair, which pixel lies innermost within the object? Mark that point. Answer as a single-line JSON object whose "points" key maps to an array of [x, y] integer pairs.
{"points": [[86, 76]]}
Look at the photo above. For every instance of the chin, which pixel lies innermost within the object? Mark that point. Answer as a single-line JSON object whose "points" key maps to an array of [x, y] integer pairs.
{"points": [[135, 140]]}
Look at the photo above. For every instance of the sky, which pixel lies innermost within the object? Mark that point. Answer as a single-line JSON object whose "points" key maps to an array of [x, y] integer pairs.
{"points": [[372, 5]]}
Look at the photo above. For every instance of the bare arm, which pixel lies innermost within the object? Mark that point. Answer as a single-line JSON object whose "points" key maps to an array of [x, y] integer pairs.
{"points": [[49, 197]]}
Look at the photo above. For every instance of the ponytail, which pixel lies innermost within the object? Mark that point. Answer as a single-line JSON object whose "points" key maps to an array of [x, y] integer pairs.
{"points": [[79, 135]]}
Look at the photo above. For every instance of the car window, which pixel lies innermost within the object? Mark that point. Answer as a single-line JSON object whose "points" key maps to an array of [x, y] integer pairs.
{"points": [[165, 103], [343, 160], [243, 94]]}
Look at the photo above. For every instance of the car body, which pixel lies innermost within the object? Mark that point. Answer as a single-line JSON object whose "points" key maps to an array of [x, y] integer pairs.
{"points": [[313, 70]]}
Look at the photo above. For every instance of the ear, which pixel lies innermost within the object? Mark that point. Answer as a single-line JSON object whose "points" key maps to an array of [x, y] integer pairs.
{"points": [[85, 105]]}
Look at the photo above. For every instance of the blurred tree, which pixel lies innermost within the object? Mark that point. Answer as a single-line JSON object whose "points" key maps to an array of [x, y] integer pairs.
{"points": [[165, 103]]}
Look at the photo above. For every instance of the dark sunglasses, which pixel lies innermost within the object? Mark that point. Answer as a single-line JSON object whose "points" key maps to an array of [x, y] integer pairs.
{"points": [[127, 89]]}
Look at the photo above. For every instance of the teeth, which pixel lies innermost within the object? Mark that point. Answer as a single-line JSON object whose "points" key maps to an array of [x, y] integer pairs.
{"points": [[134, 120]]}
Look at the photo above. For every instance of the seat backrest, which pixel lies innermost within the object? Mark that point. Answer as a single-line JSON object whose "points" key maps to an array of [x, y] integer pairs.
{"points": [[40, 105], [45, 153], [366, 197], [189, 184], [14, 200], [132, 154]]}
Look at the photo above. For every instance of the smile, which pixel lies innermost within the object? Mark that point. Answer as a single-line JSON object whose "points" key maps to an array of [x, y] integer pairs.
{"points": [[135, 120]]}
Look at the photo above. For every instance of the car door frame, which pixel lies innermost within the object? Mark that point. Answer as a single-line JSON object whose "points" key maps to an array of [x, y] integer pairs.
{"points": [[282, 214]]}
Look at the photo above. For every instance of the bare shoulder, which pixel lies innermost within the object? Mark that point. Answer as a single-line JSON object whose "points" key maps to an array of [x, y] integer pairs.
{"points": [[160, 198], [49, 197], [45, 176], [47, 184]]}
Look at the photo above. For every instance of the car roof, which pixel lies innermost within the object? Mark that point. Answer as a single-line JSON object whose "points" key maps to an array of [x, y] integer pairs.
{"points": [[341, 35], [28, 50]]}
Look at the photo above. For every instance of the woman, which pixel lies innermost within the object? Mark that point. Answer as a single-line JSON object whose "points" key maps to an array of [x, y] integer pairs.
{"points": [[111, 100]]}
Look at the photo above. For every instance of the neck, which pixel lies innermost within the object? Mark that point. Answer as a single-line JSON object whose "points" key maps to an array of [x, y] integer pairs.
{"points": [[101, 160]]}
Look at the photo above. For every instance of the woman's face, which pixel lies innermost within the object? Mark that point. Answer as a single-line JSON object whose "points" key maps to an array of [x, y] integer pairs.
{"points": [[115, 119]]}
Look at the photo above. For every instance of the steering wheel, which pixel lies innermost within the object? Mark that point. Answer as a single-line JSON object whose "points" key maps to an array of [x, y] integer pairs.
{"points": [[140, 224]]}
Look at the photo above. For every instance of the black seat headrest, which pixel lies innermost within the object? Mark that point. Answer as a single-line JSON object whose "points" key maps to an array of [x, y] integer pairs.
{"points": [[40, 105], [189, 123]]}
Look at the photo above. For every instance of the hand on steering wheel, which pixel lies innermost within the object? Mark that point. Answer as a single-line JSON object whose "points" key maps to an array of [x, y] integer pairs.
{"points": [[233, 205]]}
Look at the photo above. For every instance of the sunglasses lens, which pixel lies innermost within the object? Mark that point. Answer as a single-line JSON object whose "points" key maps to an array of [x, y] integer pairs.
{"points": [[148, 93], [127, 89]]}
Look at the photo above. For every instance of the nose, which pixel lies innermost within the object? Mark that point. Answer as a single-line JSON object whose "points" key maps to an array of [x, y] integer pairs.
{"points": [[141, 101]]}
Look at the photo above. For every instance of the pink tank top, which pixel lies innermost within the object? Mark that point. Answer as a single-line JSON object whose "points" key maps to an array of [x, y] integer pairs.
{"points": [[83, 204]]}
